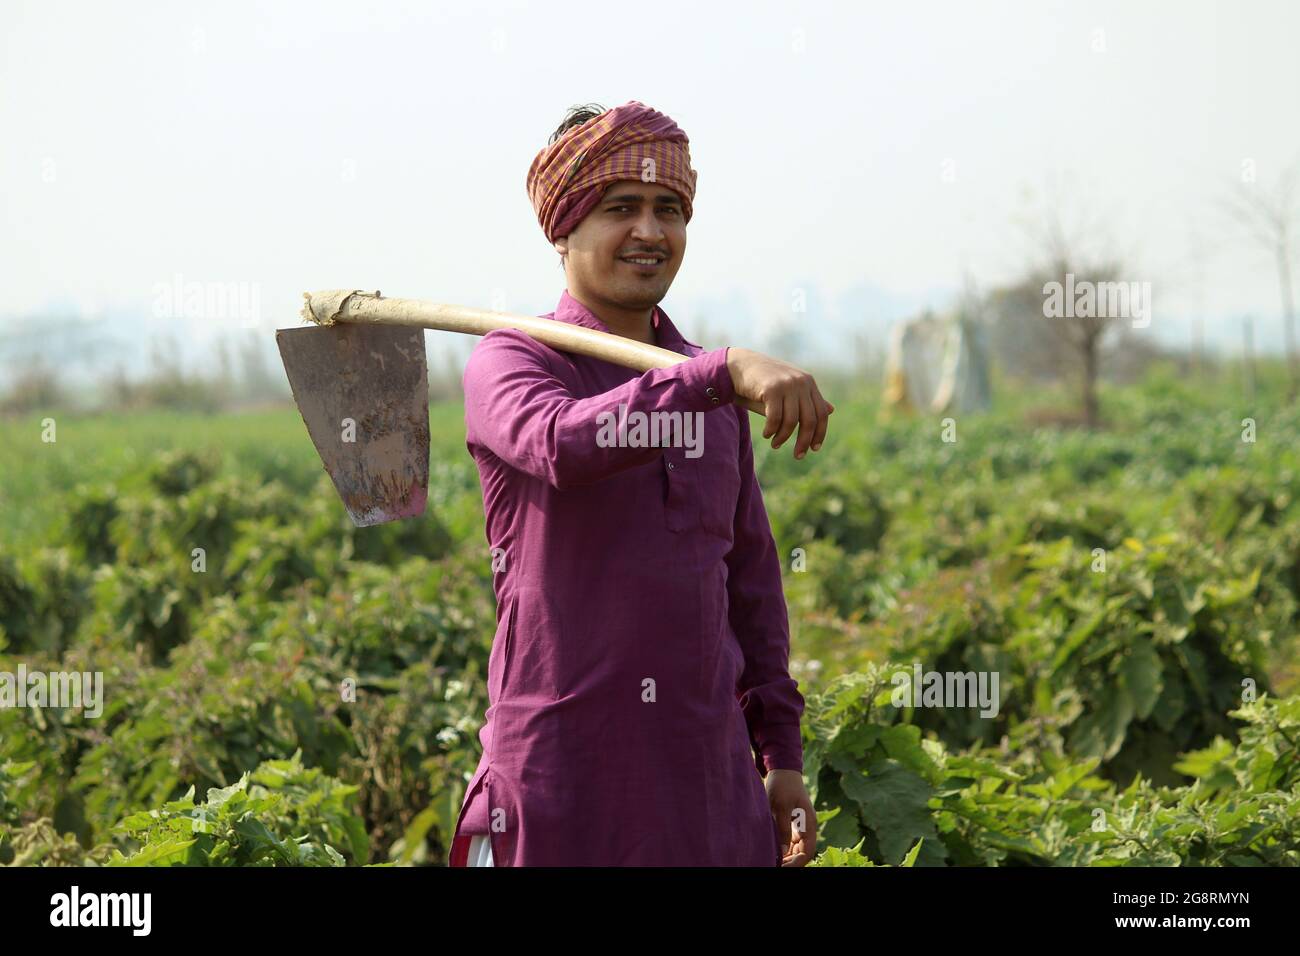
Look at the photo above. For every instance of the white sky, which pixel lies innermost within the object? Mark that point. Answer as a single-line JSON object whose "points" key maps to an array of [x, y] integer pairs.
{"points": [[385, 145]]}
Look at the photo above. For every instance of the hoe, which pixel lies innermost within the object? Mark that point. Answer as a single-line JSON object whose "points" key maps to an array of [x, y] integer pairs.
{"points": [[361, 382]]}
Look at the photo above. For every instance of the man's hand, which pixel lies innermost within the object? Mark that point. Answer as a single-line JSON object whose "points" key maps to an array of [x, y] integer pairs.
{"points": [[790, 397], [793, 811]]}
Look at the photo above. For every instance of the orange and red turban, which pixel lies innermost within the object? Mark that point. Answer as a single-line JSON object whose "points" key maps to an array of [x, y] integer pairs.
{"points": [[631, 141]]}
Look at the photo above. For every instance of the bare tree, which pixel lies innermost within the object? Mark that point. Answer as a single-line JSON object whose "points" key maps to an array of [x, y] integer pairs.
{"points": [[1084, 334], [1272, 217], [1070, 345]]}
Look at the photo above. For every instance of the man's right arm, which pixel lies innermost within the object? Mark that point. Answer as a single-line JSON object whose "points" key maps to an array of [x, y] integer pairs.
{"points": [[518, 408]]}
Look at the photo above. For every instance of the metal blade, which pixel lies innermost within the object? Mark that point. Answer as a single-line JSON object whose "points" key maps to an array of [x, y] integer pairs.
{"points": [[363, 391]]}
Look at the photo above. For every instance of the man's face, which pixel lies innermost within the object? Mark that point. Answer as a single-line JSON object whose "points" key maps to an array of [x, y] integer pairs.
{"points": [[632, 220]]}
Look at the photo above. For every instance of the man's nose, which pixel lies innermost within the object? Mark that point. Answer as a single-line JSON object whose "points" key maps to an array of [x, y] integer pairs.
{"points": [[647, 227]]}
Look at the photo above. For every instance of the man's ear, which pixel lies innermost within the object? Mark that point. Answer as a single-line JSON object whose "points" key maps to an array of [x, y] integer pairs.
{"points": [[561, 245]]}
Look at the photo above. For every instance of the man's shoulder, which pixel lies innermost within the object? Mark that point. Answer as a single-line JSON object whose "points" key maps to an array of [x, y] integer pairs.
{"points": [[510, 340], [501, 348]]}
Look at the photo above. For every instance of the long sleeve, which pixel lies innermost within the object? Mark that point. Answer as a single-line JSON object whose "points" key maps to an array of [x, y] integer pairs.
{"points": [[769, 697], [518, 408]]}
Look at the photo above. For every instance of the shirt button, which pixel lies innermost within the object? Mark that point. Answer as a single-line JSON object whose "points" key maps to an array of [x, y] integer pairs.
{"points": [[710, 391], [671, 466], [716, 400]]}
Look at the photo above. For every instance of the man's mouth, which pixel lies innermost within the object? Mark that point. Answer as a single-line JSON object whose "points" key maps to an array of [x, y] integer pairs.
{"points": [[646, 263]]}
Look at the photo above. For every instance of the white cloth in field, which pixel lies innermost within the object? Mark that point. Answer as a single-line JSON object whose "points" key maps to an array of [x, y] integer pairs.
{"points": [[938, 364]]}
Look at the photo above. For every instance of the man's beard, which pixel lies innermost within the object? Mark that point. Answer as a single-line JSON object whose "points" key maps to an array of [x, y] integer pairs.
{"points": [[642, 298]]}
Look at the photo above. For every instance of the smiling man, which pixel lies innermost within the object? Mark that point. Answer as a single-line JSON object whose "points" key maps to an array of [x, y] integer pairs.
{"points": [[641, 712], [623, 275]]}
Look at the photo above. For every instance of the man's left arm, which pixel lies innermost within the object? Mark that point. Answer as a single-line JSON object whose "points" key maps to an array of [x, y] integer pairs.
{"points": [[768, 696]]}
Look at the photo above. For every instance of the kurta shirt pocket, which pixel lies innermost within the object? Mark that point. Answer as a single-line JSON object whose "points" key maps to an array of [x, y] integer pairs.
{"points": [[678, 491]]}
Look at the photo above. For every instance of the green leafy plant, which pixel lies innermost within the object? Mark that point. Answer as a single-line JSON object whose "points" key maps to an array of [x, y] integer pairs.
{"points": [[279, 815]]}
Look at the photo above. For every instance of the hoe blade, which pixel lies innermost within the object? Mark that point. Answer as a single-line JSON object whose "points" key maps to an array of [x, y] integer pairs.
{"points": [[363, 391]]}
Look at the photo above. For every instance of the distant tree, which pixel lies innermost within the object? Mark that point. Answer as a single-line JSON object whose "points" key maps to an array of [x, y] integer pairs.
{"points": [[1055, 347], [1068, 346]]}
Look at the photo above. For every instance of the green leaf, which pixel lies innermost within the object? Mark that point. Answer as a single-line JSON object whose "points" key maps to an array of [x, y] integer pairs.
{"points": [[902, 742], [1080, 633], [895, 805], [838, 856], [1101, 733], [157, 854], [358, 839], [1168, 712], [1141, 674], [1206, 761], [839, 826], [218, 796]]}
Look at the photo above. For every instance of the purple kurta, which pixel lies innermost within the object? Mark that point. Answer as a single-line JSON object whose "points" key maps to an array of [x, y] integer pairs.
{"points": [[638, 683]]}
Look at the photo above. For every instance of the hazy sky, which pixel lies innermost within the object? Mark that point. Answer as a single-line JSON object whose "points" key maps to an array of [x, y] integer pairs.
{"points": [[891, 147]]}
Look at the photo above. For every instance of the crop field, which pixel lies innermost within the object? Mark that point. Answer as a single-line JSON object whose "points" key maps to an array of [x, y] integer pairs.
{"points": [[280, 688]]}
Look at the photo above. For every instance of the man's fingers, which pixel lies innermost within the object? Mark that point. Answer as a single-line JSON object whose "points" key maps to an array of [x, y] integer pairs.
{"points": [[807, 420], [789, 419], [824, 409], [772, 409], [805, 841], [799, 854]]}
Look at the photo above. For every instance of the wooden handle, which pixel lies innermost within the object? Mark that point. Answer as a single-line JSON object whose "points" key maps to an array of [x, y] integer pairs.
{"points": [[353, 305]]}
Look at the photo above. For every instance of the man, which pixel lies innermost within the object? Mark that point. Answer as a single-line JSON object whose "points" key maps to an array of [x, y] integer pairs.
{"points": [[640, 711]]}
